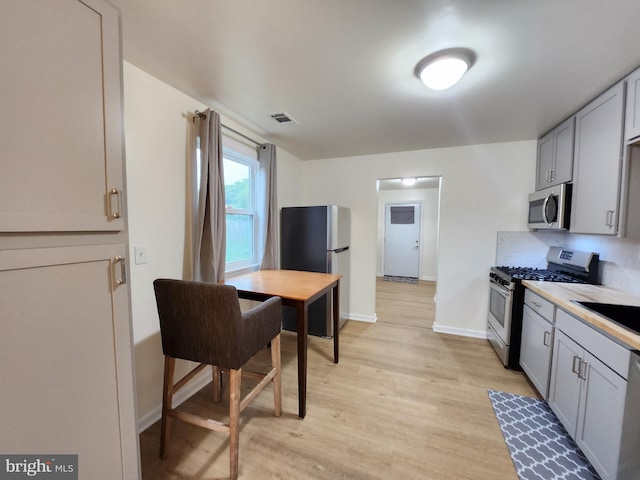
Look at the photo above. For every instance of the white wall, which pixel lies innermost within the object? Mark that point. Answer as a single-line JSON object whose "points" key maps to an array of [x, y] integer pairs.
{"points": [[428, 198], [484, 190], [156, 127]]}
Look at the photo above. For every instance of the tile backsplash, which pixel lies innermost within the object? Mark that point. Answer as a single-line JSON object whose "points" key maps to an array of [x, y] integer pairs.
{"points": [[619, 257]]}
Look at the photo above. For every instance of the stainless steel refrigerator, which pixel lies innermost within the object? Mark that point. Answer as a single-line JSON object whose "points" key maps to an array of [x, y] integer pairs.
{"points": [[316, 239]]}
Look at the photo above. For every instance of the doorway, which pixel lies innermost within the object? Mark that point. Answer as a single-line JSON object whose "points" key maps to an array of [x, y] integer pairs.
{"points": [[407, 303]]}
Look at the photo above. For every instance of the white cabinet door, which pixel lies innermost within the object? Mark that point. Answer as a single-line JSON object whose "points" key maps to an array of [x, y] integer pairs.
{"points": [[598, 164], [61, 119], [563, 152], [66, 358], [601, 415], [632, 118], [555, 156], [564, 391], [535, 349], [545, 162]]}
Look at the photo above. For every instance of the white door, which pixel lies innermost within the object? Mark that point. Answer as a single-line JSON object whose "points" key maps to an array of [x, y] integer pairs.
{"points": [[402, 240]]}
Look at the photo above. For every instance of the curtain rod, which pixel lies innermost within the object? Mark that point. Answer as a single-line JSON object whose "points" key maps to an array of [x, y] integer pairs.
{"points": [[203, 115]]}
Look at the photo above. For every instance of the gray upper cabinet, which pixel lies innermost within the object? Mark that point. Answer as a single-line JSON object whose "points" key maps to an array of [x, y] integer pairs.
{"points": [[555, 156], [632, 120], [598, 164], [62, 143]]}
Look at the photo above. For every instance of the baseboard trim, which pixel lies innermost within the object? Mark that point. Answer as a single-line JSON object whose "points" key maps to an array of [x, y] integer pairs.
{"points": [[462, 332], [363, 318], [199, 381]]}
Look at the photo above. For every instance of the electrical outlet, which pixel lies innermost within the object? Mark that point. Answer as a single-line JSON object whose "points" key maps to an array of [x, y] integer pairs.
{"points": [[140, 253]]}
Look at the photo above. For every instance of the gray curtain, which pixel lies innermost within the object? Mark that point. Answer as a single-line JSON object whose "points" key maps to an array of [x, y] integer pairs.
{"points": [[268, 205], [209, 241]]}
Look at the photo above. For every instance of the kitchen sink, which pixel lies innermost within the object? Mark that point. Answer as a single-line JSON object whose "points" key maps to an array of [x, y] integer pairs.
{"points": [[627, 316]]}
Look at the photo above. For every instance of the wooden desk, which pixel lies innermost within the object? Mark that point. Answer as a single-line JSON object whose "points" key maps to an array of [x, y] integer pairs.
{"points": [[297, 289]]}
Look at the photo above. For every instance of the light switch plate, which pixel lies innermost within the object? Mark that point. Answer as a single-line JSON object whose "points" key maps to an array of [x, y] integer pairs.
{"points": [[140, 253]]}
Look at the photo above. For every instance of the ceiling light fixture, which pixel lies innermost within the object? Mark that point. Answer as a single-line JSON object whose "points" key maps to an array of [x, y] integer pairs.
{"points": [[408, 181], [444, 68]]}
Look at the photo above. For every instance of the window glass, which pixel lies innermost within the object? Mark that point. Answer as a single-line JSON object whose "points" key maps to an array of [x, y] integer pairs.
{"points": [[237, 184], [402, 215], [242, 222], [239, 238]]}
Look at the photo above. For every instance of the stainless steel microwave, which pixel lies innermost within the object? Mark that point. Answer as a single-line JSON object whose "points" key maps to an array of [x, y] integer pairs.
{"points": [[550, 208]]}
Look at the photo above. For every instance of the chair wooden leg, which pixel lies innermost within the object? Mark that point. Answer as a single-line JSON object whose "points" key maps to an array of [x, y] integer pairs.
{"points": [[277, 379], [217, 382], [167, 404], [235, 380]]}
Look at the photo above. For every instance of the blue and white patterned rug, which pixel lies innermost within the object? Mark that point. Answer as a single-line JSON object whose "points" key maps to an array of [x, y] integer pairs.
{"points": [[394, 278], [540, 447]]}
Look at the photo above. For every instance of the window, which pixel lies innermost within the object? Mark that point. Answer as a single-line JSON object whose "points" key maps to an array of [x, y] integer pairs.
{"points": [[242, 218], [240, 172]]}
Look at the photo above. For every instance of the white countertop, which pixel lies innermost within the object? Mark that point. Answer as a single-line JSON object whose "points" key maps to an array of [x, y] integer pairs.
{"points": [[562, 295]]}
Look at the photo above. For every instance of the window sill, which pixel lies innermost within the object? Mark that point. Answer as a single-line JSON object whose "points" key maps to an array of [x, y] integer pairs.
{"points": [[241, 270]]}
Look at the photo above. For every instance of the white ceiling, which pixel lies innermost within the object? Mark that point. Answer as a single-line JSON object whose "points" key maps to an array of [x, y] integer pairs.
{"points": [[344, 69]]}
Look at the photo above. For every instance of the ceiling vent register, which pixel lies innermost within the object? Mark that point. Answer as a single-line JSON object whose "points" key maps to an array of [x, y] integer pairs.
{"points": [[283, 117]]}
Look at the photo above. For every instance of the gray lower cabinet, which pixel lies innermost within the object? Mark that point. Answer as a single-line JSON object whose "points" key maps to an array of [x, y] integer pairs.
{"points": [[564, 394], [588, 389], [536, 344], [600, 417]]}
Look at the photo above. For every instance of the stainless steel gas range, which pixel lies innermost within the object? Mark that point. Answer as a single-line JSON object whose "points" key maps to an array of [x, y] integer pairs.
{"points": [[506, 295]]}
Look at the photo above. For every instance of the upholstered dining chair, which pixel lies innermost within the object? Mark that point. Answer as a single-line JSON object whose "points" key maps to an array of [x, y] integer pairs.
{"points": [[202, 322]]}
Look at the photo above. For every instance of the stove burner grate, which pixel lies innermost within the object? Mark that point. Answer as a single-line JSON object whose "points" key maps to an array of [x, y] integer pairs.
{"points": [[537, 274]]}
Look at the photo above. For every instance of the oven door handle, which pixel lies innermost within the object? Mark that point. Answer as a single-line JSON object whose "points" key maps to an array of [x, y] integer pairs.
{"points": [[499, 288]]}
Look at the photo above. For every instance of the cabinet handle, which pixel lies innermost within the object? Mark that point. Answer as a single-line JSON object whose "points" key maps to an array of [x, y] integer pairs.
{"points": [[123, 272], [583, 370], [576, 369], [114, 212], [552, 175], [535, 304], [547, 338], [610, 218]]}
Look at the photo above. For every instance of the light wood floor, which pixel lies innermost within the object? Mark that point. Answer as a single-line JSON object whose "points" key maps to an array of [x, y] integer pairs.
{"points": [[403, 403], [405, 303]]}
